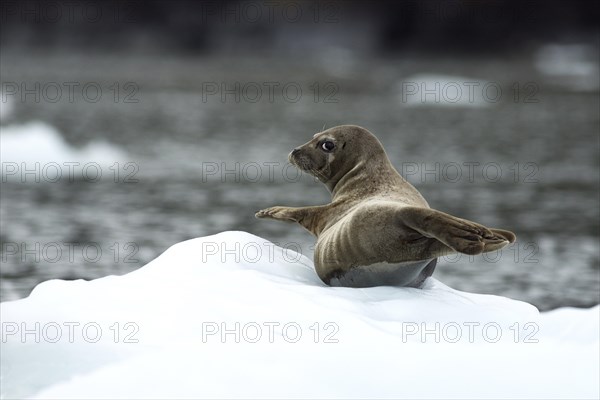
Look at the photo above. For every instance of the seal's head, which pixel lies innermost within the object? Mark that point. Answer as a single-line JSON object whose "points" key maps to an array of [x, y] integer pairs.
{"points": [[331, 154]]}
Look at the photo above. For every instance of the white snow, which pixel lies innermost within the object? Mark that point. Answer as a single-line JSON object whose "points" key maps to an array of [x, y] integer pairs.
{"points": [[39, 147], [171, 315]]}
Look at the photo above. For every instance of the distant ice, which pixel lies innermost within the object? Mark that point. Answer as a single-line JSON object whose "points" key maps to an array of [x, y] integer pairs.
{"points": [[232, 315], [6, 107], [574, 66], [447, 91], [37, 146]]}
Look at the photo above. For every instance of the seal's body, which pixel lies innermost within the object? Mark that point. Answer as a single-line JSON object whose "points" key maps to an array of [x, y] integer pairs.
{"points": [[378, 229]]}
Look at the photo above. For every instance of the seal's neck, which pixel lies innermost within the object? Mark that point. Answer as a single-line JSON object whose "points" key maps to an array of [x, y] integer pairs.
{"points": [[366, 177]]}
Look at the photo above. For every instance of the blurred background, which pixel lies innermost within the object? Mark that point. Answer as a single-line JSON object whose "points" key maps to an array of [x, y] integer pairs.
{"points": [[129, 126]]}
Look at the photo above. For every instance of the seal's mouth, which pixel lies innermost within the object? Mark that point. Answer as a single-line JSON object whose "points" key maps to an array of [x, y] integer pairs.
{"points": [[291, 158], [301, 162], [306, 164]]}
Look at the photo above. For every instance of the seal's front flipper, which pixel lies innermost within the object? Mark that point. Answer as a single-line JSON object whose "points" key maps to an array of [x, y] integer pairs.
{"points": [[459, 234], [278, 213], [309, 217]]}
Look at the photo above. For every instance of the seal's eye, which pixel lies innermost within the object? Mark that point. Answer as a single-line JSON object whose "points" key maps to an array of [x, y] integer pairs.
{"points": [[328, 145]]}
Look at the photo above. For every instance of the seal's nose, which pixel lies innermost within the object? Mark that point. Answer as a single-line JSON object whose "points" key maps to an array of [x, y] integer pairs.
{"points": [[295, 151]]}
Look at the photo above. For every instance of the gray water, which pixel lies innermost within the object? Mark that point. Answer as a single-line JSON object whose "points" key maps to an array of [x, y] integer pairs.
{"points": [[541, 138]]}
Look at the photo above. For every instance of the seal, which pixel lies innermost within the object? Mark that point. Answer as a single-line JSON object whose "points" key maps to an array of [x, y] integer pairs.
{"points": [[378, 230]]}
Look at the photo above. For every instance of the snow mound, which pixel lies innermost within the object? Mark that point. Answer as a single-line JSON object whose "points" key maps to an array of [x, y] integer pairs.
{"points": [[39, 147], [232, 315]]}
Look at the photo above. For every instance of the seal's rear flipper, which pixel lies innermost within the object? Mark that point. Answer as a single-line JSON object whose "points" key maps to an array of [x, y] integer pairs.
{"points": [[508, 235], [459, 234]]}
